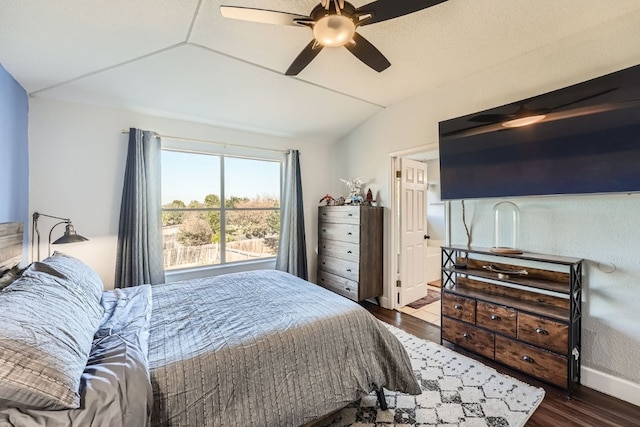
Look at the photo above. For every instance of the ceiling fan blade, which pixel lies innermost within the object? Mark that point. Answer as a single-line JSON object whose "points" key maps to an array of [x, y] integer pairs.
{"points": [[474, 130], [264, 16], [594, 95], [490, 118], [551, 117], [383, 10], [367, 53], [592, 109], [524, 111], [304, 58]]}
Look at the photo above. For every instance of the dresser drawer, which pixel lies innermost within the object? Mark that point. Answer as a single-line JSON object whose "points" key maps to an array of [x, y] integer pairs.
{"points": [[543, 332], [337, 249], [459, 307], [468, 336], [339, 214], [340, 285], [497, 318], [539, 363], [342, 232], [339, 267]]}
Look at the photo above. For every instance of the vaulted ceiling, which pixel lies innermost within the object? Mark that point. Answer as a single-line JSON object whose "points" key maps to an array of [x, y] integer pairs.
{"points": [[182, 59]]}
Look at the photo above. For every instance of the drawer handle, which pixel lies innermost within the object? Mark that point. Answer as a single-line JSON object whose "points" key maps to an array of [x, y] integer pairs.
{"points": [[350, 214], [349, 270], [347, 289], [528, 359], [324, 214], [322, 280], [324, 230], [457, 307], [349, 234], [324, 263], [542, 331], [465, 335], [495, 317], [348, 252]]}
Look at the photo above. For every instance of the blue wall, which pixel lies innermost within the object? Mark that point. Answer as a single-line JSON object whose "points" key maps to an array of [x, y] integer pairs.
{"points": [[14, 151]]}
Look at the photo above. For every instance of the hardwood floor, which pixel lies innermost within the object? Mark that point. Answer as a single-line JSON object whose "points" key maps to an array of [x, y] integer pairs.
{"points": [[587, 407]]}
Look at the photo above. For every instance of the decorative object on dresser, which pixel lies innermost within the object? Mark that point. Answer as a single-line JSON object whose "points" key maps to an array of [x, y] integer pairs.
{"points": [[368, 200], [355, 189], [506, 225], [350, 250], [526, 318], [327, 199], [462, 262]]}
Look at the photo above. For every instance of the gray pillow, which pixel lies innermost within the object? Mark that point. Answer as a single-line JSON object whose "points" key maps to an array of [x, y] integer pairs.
{"points": [[7, 277], [49, 317], [75, 271]]}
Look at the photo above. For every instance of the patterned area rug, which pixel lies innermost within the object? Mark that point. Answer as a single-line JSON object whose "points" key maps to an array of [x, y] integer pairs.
{"points": [[432, 296], [456, 391]]}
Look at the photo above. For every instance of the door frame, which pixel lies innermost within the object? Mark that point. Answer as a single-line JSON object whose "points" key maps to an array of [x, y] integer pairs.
{"points": [[394, 229]]}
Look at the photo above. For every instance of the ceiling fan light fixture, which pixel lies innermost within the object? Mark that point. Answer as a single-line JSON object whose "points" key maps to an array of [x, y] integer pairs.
{"points": [[524, 121], [334, 30]]}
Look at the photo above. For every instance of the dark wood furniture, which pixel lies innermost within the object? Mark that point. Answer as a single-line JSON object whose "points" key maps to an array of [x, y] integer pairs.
{"points": [[530, 322], [350, 250], [586, 408]]}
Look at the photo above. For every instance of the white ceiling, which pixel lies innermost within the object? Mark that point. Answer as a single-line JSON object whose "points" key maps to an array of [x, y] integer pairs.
{"points": [[182, 59]]}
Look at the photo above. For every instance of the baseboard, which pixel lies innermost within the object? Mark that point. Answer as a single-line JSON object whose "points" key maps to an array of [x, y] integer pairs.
{"points": [[613, 386], [384, 302]]}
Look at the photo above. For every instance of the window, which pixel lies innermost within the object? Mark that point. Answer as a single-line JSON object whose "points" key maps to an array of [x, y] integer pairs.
{"points": [[218, 209]]}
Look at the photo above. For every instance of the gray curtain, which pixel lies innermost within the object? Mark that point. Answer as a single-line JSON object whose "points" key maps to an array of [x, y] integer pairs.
{"points": [[292, 251], [139, 258]]}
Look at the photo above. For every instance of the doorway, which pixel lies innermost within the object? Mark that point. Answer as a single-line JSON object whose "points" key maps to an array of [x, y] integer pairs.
{"points": [[418, 224]]}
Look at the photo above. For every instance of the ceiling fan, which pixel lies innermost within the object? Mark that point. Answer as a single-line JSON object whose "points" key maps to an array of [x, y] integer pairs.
{"points": [[551, 117], [334, 24], [524, 116]]}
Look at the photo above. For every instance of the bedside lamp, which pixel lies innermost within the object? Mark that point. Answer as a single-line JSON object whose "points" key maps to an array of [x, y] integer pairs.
{"points": [[69, 236]]}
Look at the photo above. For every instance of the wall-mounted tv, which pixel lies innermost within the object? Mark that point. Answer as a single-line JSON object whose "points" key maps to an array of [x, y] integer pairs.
{"points": [[586, 140]]}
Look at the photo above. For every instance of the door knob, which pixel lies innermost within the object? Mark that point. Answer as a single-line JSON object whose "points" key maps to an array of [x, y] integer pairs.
{"points": [[426, 236]]}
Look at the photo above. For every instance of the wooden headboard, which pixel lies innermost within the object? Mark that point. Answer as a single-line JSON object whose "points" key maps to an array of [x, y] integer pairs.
{"points": [[10, 244]]}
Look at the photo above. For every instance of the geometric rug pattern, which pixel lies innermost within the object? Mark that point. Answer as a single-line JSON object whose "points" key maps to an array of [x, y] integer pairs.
{"points": [[456, 391]]}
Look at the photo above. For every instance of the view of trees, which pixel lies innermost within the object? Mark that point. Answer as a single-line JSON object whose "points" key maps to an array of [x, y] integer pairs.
{"points": [[246, 219]]}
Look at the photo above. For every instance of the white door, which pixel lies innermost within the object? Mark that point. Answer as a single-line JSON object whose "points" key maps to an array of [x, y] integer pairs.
{"points": [[413, 230]]}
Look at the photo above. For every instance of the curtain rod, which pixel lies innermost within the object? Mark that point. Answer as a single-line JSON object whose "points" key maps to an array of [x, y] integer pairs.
{"points": [[204, 141]]}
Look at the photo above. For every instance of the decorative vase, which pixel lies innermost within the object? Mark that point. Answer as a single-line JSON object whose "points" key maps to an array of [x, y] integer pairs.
{"points": [[506, 223]]}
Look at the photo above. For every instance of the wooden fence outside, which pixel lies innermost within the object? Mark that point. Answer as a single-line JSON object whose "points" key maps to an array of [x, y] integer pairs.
{"points": [[178, 256]]}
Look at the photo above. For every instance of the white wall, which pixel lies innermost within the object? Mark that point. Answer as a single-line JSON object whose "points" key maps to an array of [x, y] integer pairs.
{"points": [[435, 206], [601, 229], [77, 158]]}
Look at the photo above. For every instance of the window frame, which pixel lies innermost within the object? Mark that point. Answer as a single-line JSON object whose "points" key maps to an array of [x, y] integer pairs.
{"points": [[226, 151]]}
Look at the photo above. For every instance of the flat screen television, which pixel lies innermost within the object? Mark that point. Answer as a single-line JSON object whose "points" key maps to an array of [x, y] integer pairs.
{"points": [[587, 140]]}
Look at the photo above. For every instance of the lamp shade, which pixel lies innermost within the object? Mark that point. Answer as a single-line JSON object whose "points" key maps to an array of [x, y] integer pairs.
{"points": [[69, 236], [334, 30]]}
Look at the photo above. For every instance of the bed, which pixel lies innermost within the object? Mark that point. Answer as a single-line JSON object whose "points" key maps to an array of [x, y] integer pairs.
{"points": [[257, 348]]}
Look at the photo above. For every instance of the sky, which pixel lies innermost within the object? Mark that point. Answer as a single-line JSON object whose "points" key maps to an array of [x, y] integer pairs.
{"points": [[187, 177]]}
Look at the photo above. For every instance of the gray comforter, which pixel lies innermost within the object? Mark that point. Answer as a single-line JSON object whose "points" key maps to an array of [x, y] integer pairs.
{"points": [[264, 349]]}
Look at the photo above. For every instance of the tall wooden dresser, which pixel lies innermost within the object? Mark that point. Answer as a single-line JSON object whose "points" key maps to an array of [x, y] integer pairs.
{"points": [[350, 250]]}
